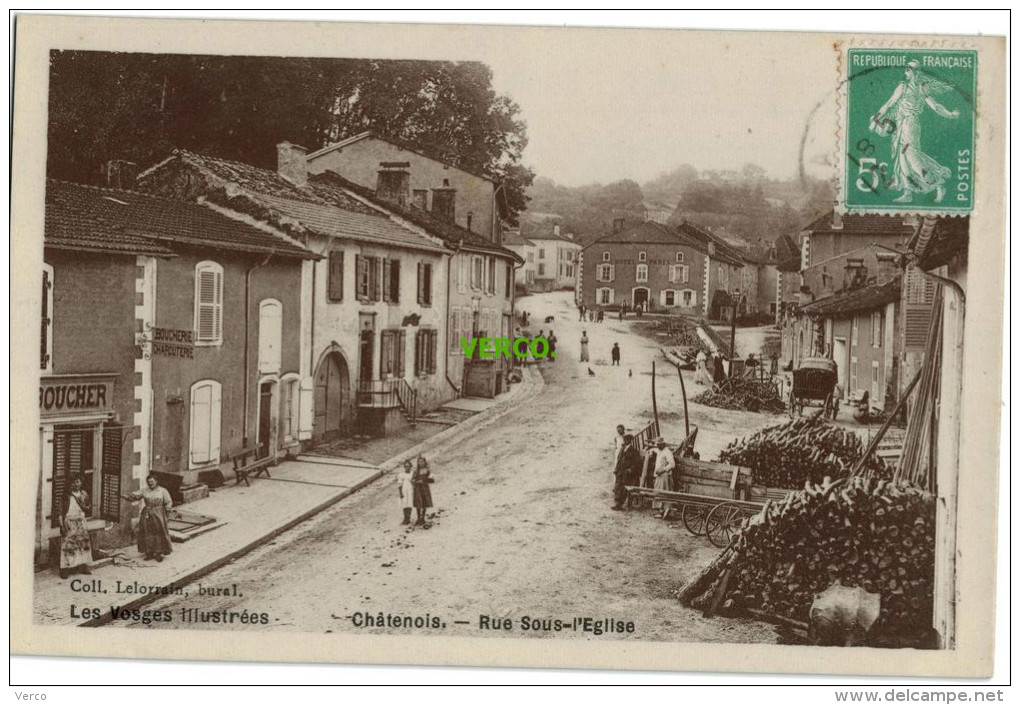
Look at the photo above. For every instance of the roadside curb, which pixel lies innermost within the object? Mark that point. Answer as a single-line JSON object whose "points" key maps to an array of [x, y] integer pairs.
{"points": [[530, 389], [236, 553]]}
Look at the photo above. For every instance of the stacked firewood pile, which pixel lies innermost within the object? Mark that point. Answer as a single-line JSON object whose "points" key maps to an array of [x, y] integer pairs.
{"points": [[861, 531], [802, 450], [743, 394]]}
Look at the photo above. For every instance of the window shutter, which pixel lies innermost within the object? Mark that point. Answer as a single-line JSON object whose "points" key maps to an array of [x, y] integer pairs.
{"points": [[387, 276], [336, 275], [214, 424], [433, 346], [417, 349], [46, 305], [109, 490], [401, 346], [206, 305], [395, 281], [612, 272], [375, 265], [201, 415], [421, 283], [662, 297], [270, 336], [428, 285], [59, 482]]}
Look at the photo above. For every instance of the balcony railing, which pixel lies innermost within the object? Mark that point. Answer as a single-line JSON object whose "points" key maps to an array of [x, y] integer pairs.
{"points": [[377, 393]]}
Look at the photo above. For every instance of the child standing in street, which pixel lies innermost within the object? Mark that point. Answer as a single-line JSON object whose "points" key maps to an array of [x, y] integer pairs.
{"points": [[406, 490], [421, 479]]}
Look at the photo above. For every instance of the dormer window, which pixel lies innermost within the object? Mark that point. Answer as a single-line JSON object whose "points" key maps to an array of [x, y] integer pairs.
{"points": [[679, 256], [605, 256], [642, 257]]}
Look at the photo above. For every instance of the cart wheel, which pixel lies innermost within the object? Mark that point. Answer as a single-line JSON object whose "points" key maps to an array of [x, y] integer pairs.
{"points": [[693, 517], [722, 523]]}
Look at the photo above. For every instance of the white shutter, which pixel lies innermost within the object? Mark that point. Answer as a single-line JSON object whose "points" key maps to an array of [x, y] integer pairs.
{"points": [[201, 404], [612, 272], [612, 295], [685, 273], [209, 302], [214, 424], [270, 336], [662, 297]]}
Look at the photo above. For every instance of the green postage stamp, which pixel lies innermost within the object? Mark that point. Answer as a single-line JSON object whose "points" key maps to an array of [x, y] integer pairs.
{"points": [[909, 130]]}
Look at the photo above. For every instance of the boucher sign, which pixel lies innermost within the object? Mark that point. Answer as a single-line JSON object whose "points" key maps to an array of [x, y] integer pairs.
{"points": [[84, 394], [172, 342]]}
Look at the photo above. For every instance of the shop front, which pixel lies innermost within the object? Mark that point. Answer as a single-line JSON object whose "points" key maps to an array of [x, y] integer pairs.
{"points": [[79, 436]]}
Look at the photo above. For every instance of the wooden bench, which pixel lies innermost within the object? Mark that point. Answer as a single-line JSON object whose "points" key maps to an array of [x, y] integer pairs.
{"points": [[251, 461]]}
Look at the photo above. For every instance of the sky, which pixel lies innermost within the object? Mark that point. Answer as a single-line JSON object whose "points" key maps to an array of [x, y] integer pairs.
{"points": [[604, 105]]}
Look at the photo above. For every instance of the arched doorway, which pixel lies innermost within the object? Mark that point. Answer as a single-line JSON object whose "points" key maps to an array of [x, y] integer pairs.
{"points": [[332, 390], [640, 296]]}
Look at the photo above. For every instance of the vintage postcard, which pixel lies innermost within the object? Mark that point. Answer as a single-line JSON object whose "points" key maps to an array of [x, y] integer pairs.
{"points": [[506, 346]]}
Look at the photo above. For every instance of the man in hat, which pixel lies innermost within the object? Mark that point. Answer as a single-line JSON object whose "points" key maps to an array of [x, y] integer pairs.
{"points": [[615, 354], [618, 443], [628, 462]]}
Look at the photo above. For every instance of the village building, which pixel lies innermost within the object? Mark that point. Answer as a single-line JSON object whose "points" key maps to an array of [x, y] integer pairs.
{"points": [[823, 247], [141, 370], [480, 291], [467, 197], [555, 259], [524, 275], [463, 210], [372, 308], [674, 268]]}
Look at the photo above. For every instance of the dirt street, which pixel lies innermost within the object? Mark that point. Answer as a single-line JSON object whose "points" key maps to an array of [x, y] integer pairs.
{"points": [[522, 524]]}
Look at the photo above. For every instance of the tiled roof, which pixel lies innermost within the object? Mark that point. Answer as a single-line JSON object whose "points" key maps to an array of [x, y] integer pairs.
{"points": [[864, 223], [333, 221], [684, 233], [866, 298], [110, 220], [514, 237], [335, 213], [329, 182]]}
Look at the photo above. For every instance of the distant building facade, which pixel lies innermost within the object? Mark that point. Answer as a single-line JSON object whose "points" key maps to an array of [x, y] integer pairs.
{"points": [[679, 269], [555, 260]]}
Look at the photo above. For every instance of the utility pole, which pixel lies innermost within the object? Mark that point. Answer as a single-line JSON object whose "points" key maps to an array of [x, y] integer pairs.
{"points": [[733, 334]]}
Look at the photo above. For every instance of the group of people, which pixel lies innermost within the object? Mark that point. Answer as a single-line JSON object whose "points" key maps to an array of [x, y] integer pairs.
{"points": [[586, 356], [76, 544], [591, 315], [413, 488], [631, 468]]}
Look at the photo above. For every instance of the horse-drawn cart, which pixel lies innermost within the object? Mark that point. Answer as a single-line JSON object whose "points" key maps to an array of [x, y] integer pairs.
{"points": [[814, 384]]}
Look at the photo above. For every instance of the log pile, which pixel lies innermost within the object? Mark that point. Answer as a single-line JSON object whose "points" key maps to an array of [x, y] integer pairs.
{"points": [[743, 394], [805, 449], [863, 532]]}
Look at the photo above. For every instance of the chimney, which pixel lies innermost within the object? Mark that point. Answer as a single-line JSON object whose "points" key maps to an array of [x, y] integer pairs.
{"points": [[444, 202], [837, 220], [888, 266], [618, 224], [291, 163], [120, 174], [394, 183], [556, 230]]}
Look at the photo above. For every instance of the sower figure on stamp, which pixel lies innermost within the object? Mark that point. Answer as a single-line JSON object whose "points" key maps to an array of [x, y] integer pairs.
{"points": [[913, 171], [406, 490], [420, 480]]}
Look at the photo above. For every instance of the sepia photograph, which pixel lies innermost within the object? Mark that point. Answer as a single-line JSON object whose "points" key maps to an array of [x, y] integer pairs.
{"points": [[373, 344]]}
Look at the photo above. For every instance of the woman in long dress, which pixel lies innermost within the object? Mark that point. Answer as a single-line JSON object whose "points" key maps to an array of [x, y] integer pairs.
{"points": [[913, 171], [75, 544], [584, 346], [701, 375], [153, 533], [420, 481], [406, 490]]}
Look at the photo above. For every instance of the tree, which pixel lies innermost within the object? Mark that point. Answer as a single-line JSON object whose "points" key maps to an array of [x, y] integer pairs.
{"points": [[140, 106], [753, 172]]}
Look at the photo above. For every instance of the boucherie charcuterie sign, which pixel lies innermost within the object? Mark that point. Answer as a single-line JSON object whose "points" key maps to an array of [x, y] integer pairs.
{"points": [[78, 394]]}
